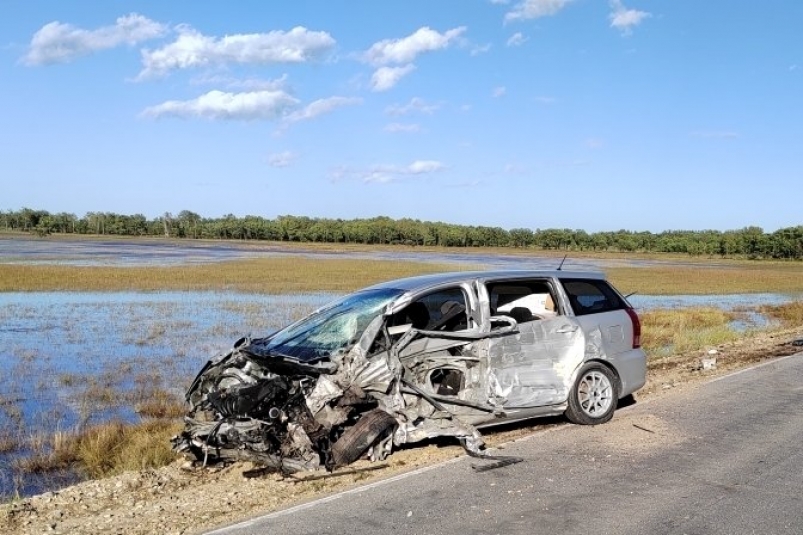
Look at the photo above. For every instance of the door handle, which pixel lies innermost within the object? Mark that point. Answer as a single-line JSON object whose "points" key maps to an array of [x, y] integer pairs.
{"points": [[567, 329]]}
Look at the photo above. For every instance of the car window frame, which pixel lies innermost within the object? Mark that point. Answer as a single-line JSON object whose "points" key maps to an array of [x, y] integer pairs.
{"points": [[612, 297], [548, 282]]}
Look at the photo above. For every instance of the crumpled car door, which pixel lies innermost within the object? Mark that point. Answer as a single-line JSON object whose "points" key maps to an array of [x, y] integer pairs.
{"points": [[534, 366]]}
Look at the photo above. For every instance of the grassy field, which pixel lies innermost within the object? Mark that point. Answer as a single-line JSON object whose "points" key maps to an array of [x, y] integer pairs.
{"points": [[303, 274], [733, 278], [262, 275], [669, 331]]}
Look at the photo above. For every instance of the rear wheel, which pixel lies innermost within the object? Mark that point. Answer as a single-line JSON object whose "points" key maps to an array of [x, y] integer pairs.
{"points": [[594, 395]]}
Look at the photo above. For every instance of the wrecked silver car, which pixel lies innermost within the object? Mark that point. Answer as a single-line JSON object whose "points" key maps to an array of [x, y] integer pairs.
{"points": [[417, 358]]}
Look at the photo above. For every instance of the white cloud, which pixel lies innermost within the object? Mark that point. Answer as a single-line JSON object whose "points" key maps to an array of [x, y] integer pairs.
{"points": [[545, 100], [416, 105], [385, 78], [378, 176], [402, 127], [406, 49], [499, 91], [390, 173], [500, 2], [533, 9], [419, 167], [56, 42], [227, 106], [320, 107], [282, 159], [624, 19], [193, 49], [517, 39], [401, 52]]}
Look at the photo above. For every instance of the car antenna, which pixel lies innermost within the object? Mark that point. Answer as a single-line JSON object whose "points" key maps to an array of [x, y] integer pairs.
{"points": [[562, 261]]}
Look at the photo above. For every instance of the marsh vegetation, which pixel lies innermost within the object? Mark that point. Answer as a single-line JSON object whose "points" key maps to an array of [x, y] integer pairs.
{"points": [[298, 273], [83, 368], [278, 275]]}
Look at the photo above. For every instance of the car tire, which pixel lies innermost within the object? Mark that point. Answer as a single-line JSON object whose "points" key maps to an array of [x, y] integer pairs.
{"points": [[360, 436], [594, 396]]}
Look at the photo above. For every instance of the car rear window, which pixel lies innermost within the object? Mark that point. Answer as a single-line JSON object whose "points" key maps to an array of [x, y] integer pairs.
{"points": [[591, 296]]}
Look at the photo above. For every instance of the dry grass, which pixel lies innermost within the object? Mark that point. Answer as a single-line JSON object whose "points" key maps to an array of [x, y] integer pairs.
{"points": [[160, 404], [668, 331], [263, 275], [8, 442], [734, 278], [117, 447], [106, 449], [10, 425], [50, 453], [298, 274], [789, 314]]}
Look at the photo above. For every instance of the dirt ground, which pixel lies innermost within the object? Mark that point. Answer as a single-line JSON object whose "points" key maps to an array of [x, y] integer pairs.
{"points": [[180, 500]]}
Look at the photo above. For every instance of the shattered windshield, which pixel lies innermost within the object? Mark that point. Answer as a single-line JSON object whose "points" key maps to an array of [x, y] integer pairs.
{"points": [[334, 328]]}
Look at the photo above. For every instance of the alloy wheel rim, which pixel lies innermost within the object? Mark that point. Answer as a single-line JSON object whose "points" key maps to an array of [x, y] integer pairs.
{"points": [[595, 394]]}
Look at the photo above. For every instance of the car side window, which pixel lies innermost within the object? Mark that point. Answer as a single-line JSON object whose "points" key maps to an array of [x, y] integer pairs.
{"points": [[591, 296], [444, 310], [522, 300]]}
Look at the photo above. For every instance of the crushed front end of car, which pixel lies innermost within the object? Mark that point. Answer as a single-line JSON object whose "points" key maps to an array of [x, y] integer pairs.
{"points": [[324, 391]]}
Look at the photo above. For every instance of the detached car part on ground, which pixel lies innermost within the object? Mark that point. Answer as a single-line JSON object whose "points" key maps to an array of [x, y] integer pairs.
{"points": [[417, 358]]}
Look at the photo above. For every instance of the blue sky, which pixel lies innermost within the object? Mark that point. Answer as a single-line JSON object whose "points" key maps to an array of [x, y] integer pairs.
{"points": [[592, 114]]}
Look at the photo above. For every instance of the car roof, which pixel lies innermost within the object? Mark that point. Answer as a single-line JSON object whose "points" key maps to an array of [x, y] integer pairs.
{"points": [[423, 282]]}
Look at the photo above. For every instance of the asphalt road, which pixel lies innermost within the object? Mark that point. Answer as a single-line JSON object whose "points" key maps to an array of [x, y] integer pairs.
{"points": [[722, 458]]}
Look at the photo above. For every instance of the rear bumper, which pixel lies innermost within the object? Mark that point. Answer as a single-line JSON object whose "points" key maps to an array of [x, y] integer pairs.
{"points": [[632, 368]]}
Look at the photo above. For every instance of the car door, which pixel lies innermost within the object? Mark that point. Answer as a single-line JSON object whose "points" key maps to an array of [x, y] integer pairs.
{"points": [[443, 360], [533, 366]]}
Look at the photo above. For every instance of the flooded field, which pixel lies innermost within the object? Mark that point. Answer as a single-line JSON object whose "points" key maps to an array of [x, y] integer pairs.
{"points": [[151, 252], [72, 359], [122, 252]]}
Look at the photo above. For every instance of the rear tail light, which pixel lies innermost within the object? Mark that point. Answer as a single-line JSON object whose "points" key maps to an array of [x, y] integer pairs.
{"points": [[636, 327]]}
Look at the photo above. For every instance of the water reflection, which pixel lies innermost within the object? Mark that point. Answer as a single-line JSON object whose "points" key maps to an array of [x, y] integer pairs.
{"points": [[152, 252], [726, 302], [70, 359]]}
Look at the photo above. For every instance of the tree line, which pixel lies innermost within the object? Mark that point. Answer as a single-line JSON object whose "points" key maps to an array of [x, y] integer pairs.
{"points": [[750, 242]]}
